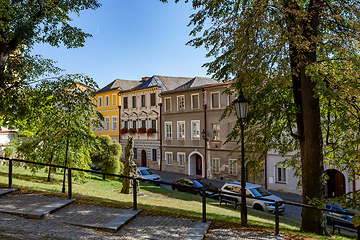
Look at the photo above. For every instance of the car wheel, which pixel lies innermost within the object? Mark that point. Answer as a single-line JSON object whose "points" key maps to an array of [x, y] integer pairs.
{"points": [[258, 207]]}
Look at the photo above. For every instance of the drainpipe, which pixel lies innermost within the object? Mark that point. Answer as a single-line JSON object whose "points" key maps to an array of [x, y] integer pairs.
{"points": [[265, 170], [160, 134], [205, 140], [119, 122]]}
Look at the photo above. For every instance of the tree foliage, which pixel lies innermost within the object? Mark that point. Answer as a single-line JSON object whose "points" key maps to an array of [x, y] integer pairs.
{"points": [[298, 63], [58, 123], [23, 24], [107, 156]]}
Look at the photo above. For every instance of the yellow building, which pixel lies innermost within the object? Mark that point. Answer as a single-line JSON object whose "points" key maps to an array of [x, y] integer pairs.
{"points": [[107, 102]]}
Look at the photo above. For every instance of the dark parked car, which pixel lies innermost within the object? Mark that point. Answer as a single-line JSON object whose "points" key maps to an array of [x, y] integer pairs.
{"points": [[189, 185], [211, 189]]}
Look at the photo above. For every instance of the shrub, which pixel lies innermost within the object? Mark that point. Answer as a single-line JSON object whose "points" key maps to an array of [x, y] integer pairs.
{"points": [[141, 130], [151, 131], [123, 130], [132, 130]]}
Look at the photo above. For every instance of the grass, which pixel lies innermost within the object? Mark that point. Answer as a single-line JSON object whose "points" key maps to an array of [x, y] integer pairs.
{"points": [[155, 200]]}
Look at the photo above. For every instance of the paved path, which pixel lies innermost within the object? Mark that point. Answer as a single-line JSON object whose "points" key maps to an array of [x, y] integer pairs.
{"points": [[60, 224]]}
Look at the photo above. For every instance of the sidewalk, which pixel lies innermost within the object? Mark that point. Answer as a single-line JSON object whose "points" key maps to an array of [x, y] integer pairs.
{"points": [[81, 221]]}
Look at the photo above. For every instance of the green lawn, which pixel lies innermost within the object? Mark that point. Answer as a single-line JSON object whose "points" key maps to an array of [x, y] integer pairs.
{"points": [[153, 200]]}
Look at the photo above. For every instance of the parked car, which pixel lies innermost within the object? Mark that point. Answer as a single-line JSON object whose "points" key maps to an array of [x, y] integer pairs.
{"points": [[253, 190], [146, 173], [189, 185], [209, 187], [330, 216]]}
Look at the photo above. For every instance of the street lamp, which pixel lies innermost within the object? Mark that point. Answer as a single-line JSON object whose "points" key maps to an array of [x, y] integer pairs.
{"points": [[241, 108]]}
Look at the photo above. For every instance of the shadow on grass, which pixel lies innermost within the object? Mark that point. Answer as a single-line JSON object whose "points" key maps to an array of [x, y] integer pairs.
{"points": [[32, 178]]}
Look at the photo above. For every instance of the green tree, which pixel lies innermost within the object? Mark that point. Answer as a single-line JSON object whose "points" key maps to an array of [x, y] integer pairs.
{"points": [[107, 156], [23, 24], [298, 63], [58, 125]]}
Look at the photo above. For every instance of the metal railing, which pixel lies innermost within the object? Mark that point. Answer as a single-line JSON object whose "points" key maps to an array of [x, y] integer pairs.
{"points": [[203, 191]]}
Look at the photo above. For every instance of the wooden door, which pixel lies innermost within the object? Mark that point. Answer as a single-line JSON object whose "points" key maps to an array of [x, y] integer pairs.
{"points": [[198, 165], [143, 158]]}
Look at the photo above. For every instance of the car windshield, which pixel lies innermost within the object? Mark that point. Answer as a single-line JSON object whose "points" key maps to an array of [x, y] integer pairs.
{"points": [[260, 192], [146, 172], [197, 184]]}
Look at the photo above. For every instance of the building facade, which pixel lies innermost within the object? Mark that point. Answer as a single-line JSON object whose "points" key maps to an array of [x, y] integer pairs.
{"points": [[193, 137]]}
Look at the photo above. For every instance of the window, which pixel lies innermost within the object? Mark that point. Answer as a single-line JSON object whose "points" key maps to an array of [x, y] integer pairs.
{"points": [[142, 100], [215, 165], [153, 123], [101, 126], [107, 123], [167, 104], [181, 159], [143, 123], [181, 102], [181, 130], [114, 123], [125, 102], [152, 99], [107, 101], [168, 158], [114, 99], [168, 128], [195, 101], [153, 155], [195, 129], [134, 101], [134, 124], [232, 167], [126, 124], [100, 102], [135, 153], [215, 100], [216, 131], [281, 174]]}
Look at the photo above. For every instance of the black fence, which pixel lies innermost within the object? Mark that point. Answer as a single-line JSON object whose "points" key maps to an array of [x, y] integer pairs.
{"points": [[276, 203]]}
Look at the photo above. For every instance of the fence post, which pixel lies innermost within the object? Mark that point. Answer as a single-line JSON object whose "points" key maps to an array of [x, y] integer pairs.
{"points": [[134, 193], [277, 218], [69, 184], [10, 173], [204, 204]]}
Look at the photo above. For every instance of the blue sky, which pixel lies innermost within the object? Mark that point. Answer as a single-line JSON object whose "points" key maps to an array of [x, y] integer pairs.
{"points": [[132, 39]]}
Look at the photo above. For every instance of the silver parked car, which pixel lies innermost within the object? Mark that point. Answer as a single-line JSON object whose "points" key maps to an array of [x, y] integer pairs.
{"points": [[253, 190], [145, 172]]}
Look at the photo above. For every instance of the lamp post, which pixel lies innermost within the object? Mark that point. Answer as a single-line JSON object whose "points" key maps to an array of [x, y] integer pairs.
{"points": [[241, 108]]}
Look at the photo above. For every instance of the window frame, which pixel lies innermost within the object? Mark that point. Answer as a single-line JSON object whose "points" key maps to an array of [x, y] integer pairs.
{"points": [[193, 137], [168, 135], [126, 102], [167, 160], [114, 126], [183, 102], [100, 104], [153, 156], [107, 123], [192, 101], [212, 100], [133, 101], [181, 163], [179, 137], [215, 166], [283, 176], [107, 100], [143, 100], [213, 133], [135, 153], [232, 166], [152, 99], [167, 106]]}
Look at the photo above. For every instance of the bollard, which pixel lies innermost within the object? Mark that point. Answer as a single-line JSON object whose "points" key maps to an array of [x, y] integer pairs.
{"points": [[134, 193], [10, 173], [204, 204], [277, 218], [69, 184]]}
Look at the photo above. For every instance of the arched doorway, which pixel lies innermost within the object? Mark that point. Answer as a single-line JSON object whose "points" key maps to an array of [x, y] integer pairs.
{"points": [[143, 158], [195, 163], [335, 185]]}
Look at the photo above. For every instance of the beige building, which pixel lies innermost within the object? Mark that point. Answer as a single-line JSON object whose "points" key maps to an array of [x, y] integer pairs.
{"points": [[193, 136]]}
